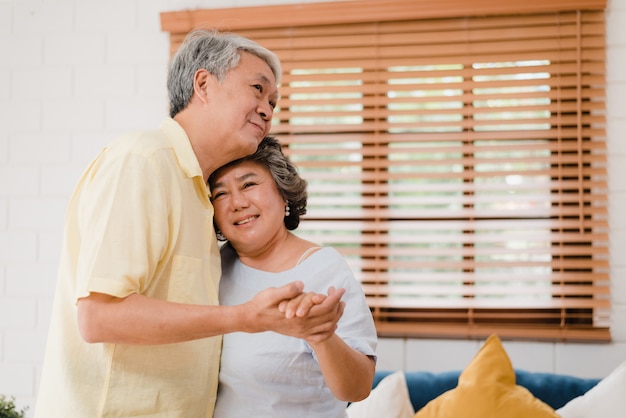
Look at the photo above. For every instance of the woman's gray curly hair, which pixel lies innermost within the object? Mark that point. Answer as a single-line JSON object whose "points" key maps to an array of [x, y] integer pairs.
{"points": [[291, 186]]}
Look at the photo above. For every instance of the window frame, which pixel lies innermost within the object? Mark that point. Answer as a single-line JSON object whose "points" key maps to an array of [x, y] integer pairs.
{"points": [[251, 21]]}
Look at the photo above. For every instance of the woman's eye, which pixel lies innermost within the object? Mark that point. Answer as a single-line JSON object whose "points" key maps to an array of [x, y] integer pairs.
{"points": [[258, 87], [217, 195], [248, 184]]}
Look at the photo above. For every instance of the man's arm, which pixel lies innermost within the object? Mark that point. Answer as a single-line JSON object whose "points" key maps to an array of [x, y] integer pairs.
{"points": [[138, 319]]}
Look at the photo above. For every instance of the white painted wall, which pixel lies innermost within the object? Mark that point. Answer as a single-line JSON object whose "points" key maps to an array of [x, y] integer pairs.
{"points": [[75, 74]]}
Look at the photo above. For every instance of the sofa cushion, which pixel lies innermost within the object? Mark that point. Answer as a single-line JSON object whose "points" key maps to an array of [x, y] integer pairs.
{"points": [[552, 388], [606, 400], [487, 388], [390, 398], [424, 386]]}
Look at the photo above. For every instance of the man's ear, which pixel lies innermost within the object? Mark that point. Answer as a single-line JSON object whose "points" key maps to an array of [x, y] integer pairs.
{"points": [[202, 80]]}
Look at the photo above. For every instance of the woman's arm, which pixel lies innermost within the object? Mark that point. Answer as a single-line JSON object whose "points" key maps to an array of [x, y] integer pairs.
{"points": [[348, 373]]}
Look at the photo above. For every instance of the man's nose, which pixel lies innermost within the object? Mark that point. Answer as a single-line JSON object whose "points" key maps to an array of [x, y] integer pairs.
{"points": [[266, 111]]}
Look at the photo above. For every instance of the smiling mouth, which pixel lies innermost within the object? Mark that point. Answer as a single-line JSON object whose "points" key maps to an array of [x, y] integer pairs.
{"points": [[245, 221]]}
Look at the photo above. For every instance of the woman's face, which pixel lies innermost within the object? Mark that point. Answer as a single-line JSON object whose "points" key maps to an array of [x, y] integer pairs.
{"points": [[249, 209]]}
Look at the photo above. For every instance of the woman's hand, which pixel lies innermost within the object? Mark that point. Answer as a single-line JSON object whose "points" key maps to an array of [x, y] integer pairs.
{"points": [[301, 304], [305, 305]]}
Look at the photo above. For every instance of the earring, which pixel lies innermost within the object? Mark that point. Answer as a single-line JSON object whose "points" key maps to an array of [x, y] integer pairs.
{"points": [[287, 213]]}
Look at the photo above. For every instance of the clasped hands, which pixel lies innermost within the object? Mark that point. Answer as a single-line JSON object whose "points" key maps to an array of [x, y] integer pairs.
{"points": [[288, 310]]}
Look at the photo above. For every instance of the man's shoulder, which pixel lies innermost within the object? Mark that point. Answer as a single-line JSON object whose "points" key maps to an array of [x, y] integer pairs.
{"points": [[140, 142]]}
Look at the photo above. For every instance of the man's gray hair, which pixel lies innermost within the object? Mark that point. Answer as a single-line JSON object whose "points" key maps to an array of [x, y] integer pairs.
{"points": [[218, 53]]}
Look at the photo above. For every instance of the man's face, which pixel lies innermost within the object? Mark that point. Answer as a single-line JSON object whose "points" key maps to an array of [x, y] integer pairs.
{"points": [[242, 105]]}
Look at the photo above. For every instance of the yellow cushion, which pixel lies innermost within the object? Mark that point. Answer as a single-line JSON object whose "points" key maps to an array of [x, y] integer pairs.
{"points": [[487, 389]]}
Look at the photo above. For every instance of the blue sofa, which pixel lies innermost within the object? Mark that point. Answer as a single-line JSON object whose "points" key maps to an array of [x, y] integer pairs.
{"points": [[553, 389]]}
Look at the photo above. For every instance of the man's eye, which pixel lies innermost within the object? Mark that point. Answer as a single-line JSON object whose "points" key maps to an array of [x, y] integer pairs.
{"points": [[258, 87], [248, 184]]}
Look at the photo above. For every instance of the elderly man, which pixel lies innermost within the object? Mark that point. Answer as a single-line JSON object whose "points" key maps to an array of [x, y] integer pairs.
{"points": [[136, 325]]}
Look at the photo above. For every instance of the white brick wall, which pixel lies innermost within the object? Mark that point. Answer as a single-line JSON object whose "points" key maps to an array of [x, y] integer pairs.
{"points": [[75, 74], [616, 133]]}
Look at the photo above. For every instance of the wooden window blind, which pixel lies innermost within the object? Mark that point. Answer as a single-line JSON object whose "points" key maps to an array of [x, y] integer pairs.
{"points": [[456, 156]]}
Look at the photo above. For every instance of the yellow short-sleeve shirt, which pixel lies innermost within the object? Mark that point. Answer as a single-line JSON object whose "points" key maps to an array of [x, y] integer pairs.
{"points": [[139, 221]]}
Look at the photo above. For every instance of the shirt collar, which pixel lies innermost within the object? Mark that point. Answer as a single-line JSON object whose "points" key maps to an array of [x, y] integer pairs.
{"points": [[182, 147]]}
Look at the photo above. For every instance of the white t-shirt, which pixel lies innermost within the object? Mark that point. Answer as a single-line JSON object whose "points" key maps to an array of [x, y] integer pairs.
{"points": [[272, 375]]}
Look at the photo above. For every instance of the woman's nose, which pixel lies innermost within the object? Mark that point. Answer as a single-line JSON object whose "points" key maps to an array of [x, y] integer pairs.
{"points": [[239, 200]]}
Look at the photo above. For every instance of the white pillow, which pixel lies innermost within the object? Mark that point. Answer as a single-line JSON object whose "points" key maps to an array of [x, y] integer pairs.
{"points": [[605, 400], [389, 399]]}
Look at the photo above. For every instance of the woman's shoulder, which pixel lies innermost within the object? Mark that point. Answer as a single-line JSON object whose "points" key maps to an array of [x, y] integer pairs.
{"points": [[319, 250], [330, 251], [324, 257]]}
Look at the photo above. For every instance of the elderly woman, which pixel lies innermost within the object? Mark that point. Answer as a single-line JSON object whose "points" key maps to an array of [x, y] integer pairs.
{"points": [[258, 200]]}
